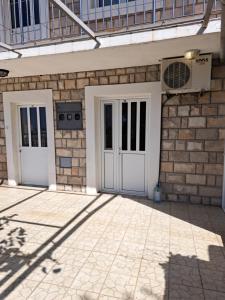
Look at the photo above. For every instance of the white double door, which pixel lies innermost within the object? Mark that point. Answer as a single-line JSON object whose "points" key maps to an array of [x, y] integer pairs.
{"points": [[124, 146], [33, 145]]}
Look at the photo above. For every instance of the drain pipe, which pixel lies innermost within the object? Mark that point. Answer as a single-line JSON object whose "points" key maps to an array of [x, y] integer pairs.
{"points": [[206, 17]]}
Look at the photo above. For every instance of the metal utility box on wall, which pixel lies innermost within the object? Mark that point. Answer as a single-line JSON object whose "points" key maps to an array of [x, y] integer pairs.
{"points": [[69, 115]]}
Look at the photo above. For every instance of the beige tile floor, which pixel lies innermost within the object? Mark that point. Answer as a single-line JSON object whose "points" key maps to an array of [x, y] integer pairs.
{"points": [[69, 246]]}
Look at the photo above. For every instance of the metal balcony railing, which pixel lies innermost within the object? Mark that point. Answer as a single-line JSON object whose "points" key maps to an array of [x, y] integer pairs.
{"points": [[39, 21]]}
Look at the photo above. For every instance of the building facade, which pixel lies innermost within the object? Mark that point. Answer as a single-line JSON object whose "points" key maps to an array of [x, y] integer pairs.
{"points": [[82, 117]]}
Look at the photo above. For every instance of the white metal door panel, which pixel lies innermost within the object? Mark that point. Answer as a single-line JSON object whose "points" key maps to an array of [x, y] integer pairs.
{"points": [[109, 171], [123, 134], [132, 136], [133, 173], [33, 145], [34, 166]]}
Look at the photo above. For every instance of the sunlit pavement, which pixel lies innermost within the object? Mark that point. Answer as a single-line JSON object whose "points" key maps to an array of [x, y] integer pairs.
{"points": [[69, 246]]}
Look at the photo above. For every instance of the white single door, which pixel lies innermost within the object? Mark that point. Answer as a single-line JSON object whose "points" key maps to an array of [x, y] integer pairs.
{"points": [[124, 146], [29, 20], [33, 145]]}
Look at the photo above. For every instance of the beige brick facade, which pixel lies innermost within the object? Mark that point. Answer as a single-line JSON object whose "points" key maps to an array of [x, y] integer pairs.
{"points": [[192, 136]]}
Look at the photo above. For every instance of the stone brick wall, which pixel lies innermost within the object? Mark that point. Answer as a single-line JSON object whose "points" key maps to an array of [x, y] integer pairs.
{"points": [[193, 144], [70, 87], [192, 140]]}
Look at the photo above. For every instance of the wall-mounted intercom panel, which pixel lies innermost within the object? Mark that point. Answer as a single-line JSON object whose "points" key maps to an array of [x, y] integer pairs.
{"points": [[69, 115]]}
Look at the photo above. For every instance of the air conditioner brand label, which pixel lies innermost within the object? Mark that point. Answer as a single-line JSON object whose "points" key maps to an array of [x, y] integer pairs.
{"points": [[202, 61]]}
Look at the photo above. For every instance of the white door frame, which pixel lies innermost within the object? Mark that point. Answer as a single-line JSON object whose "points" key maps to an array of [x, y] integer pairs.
{"points": [[11, 100], [117, 140], [223, 195], [93, 96]]}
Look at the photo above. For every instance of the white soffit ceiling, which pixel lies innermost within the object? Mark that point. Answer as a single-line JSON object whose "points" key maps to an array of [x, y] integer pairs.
{"points": [[115, 52]]}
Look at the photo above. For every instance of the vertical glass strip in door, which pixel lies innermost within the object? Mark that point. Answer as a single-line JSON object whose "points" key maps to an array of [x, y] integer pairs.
{"points": [[142, 138], [108, 127], [43, 127], [124, 125], [24, 127], [133, 126], [34, 127]]}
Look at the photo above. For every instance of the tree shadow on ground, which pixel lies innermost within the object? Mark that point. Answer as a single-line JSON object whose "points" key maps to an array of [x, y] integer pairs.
{"points": [[13, 259]]}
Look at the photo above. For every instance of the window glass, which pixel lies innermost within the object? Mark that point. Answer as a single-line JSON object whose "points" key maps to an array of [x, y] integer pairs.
{"points": [[124, 125], [108, 126], [109, 2], [43, 127], [133, 129], [21, 10], [24, 127], [33, 127], [142, 125]]}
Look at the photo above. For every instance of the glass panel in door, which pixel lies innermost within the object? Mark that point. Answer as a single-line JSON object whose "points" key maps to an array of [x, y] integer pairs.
{"points": [[24, 127]]}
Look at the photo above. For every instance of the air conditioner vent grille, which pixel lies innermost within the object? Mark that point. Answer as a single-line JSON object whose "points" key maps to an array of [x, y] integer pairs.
{"points": [[177, 75]]}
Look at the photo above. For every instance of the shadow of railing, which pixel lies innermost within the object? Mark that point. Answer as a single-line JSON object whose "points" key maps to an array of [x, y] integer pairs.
{"points": [[34, 260]]}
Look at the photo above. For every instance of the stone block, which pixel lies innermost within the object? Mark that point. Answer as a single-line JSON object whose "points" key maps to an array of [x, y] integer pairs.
{"points": [[209, 110], [221, 109], [214, 146], [70, 84], [74, 180], [196, 179], [81, 83], [75, 144], [180, 145], [166, 167], [183, 111], [124, 79], [194, 146], [179, 156], [167, 145], [175, 178], [103, 80], [218, 97], [216, 122], [186, 134], [64, 152], [213, 169], [206, 134], [195, 110], [199, 157], [210, 191], [184, 168], [171, 123], [185, 189], [195, 199], [197, 122], [222, 134], [113, 79], [139, 77]]}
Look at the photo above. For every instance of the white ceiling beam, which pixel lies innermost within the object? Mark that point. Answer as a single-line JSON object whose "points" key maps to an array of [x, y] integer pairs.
{"points": [[75, 18]]}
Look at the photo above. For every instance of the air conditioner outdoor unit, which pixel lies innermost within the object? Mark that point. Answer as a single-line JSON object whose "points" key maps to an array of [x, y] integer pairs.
{"points": [[183, 76]]}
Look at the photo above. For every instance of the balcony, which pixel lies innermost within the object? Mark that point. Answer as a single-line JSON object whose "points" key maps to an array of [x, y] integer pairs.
{"points": [[35, 22]]}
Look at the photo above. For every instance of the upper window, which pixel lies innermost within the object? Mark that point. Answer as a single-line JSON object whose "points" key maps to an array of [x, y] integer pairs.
{"points": [[24, 13], [109, 2]]}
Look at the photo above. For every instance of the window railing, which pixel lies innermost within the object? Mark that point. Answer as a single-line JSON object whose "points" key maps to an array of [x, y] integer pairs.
{"points": [[39, 21]]}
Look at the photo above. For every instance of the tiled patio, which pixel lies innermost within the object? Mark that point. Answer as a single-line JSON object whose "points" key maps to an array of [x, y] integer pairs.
{"points": [[67, 246]]}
